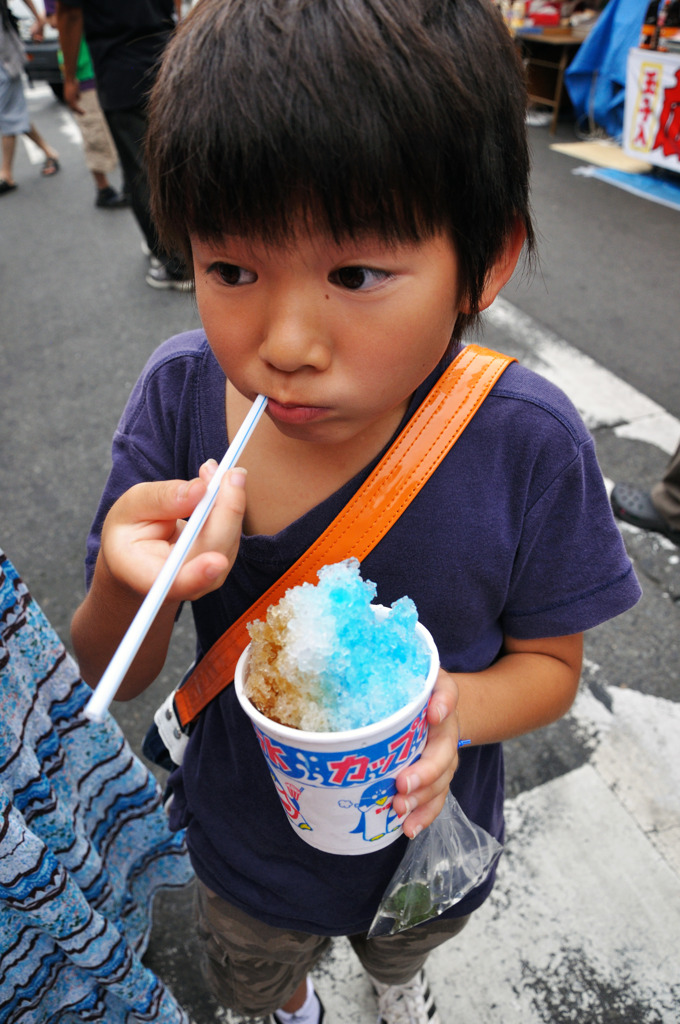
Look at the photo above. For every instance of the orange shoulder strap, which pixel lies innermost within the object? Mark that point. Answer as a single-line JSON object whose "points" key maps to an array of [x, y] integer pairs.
{"points": [[415, 454]]}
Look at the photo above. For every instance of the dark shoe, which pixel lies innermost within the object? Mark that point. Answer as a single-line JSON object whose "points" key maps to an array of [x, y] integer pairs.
{"points": [[7, 186], [634, 506], [50, 167], [109, 199], [162, 277]]}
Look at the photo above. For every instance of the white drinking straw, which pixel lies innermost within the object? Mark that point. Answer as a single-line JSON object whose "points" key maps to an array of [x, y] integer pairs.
{"points": [[108, 684]]}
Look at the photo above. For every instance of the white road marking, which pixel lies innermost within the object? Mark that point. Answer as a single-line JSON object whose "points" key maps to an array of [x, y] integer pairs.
{"points": [[33, 152], [636, 755], [602, 398], [69, 128]]}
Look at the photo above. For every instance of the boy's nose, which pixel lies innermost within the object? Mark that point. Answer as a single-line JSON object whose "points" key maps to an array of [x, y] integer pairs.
{"points": [[295, 336]]}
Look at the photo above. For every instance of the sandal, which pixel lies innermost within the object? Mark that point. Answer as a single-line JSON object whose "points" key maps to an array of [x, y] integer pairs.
{"points": [[634, 506], [7, 186], [50, 167]]}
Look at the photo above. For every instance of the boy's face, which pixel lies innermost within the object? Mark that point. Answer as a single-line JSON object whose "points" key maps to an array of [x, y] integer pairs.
{"points": [[337, 335]]}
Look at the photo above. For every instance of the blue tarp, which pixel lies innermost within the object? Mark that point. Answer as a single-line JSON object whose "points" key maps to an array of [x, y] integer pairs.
{"points": [[656, 187], [596, 77]]}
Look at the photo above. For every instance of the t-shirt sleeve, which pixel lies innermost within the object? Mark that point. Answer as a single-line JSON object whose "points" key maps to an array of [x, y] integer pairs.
{"points": [[571, 570], [148, 443]]}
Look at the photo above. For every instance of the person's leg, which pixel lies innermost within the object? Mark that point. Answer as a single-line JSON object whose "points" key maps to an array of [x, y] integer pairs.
{"points": [[51, 165], [13, 122], [666, 494], [99, 150], [395, 965], [251, 967], [9, 145], [128, 128]]}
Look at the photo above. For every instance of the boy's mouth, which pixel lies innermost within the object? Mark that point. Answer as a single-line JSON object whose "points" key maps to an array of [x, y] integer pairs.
{"points": [[288, 412]]}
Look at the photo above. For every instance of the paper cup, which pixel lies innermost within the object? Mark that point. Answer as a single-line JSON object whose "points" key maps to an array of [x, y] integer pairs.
{"points": [[337, 787]]}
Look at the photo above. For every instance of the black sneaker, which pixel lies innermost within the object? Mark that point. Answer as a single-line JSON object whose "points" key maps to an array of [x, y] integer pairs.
{"points": [[163, 278], [634, 505], [109, 199]]}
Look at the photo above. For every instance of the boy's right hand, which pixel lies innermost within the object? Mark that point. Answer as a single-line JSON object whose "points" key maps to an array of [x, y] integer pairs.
{"points": [[144, 524]]}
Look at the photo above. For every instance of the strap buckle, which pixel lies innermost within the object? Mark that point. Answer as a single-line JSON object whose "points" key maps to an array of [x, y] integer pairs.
{"points": [[170, 729]]}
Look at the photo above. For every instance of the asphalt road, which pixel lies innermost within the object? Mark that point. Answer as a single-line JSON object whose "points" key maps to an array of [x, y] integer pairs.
{"points": [[76, 326]]}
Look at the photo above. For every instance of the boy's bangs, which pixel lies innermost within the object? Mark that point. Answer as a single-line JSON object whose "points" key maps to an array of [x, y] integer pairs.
{"points": [[271, 200], [264, 108]]}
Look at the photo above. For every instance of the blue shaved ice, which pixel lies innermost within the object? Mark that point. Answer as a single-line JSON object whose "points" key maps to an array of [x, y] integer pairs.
{"points": [[323, 661]]}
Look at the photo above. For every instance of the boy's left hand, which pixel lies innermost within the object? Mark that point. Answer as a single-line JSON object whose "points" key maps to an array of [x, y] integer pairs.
{"points": [[422, 787]]}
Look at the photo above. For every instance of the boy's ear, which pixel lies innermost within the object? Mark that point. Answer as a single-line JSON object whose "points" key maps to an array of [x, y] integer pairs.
{"points": [[503, 268]]}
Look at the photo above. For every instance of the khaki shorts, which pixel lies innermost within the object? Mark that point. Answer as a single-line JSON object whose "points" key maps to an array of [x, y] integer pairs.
{"points": [[254, 968], [98, 146]]}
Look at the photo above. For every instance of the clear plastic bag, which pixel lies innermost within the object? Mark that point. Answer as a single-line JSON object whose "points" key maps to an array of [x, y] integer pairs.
{"points": [[439, 868]]}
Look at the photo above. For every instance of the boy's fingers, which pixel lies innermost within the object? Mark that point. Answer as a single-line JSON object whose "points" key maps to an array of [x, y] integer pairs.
{"points": [[208, 470], [204, 573], [170, 500], [164, 501], [223, 528], [422, 790], [148, 519], [422, 787], [429, 782], [440, 756], [423, 816], [444, 698]]}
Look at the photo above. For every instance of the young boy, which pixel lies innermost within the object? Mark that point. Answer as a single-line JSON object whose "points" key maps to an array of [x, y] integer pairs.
{"points": [[349, 179]]}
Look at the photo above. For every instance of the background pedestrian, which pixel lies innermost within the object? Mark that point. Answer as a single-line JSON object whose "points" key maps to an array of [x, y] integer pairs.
{"points": [[126, 39], [99, 149], [14, 118]]}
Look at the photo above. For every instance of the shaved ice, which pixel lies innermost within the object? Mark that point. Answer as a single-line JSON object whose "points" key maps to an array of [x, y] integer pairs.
{"points": [[324, 661]]}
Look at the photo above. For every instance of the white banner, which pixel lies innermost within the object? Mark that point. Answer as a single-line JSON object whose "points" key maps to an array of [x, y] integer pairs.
{"points": [[651, 122]]}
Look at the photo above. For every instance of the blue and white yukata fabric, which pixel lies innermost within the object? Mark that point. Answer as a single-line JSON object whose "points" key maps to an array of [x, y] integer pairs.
{"points": [[84, 841]]}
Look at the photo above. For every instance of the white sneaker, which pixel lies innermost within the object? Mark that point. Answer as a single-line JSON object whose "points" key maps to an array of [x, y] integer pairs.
{"points": [[161, 277], [411, 1003], [274, 1018], [153, 260]]}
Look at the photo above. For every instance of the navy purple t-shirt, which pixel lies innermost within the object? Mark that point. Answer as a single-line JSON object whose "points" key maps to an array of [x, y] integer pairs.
{"points": [[512, 534]]}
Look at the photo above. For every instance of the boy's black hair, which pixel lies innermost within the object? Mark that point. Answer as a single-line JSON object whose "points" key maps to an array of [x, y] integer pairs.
{"points": [[403, 117]]}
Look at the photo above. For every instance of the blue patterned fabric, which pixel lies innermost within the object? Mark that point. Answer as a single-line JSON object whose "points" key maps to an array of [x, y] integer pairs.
{"points": [[84, 842]]}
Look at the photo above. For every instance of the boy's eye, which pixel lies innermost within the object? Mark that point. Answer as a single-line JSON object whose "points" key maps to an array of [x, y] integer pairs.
{"points": [[358, 278], [233, 275]]}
